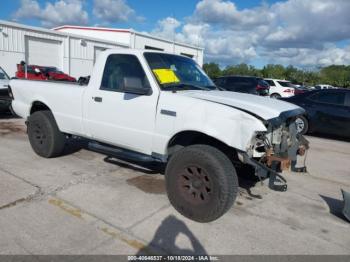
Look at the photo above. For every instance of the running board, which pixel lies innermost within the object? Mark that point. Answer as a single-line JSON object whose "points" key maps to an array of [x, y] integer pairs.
{"points": [[121, 153]]}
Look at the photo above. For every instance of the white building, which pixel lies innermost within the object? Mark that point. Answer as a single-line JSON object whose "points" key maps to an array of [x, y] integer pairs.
{"points": [[74, 49], [136, 40]]}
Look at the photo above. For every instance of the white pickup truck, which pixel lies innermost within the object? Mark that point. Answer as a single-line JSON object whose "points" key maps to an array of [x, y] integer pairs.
{"points": [[153, 106]]}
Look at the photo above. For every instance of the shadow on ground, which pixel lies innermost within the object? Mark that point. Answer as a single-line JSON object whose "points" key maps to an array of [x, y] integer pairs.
{"points": [[335, 206], [166, 235]]}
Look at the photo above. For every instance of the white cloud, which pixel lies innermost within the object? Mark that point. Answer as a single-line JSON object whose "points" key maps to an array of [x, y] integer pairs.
{"points": [[113, 11], [167, 27], [311, 57], [294, 31], [53, 14], [226, 13]]}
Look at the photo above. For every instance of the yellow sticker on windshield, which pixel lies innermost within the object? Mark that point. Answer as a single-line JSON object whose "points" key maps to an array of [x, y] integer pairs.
{"points": [[166, 76]]}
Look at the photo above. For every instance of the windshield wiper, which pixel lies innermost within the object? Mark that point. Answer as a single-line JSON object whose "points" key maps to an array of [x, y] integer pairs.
{"points": [[183, 86]]}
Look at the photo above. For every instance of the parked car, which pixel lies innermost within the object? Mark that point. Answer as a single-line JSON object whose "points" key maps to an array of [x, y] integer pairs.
{"points": [[36, 72], [300, 90], [5, 100], [53, 73], [280, 88], [326, 111], [33, 72], [319, 87], [243, 84], [149, 106]]}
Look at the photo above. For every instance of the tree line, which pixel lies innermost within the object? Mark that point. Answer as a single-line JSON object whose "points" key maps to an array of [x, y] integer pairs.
{"points": [[335, 75]]}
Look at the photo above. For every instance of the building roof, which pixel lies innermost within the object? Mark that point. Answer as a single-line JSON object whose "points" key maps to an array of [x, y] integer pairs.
{"points": [[54, 32], [131, 31]]}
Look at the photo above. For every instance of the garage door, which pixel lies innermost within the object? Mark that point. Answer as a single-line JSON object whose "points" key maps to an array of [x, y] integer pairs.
{"points": [[43, 52], [97, 51]]}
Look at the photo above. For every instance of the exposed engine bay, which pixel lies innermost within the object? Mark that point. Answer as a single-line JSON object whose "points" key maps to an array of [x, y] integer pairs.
{"points": [[276, 150]]}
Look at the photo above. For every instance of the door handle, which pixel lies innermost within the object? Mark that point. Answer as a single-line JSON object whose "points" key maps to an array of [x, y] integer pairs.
{"points": [[97, 99]]}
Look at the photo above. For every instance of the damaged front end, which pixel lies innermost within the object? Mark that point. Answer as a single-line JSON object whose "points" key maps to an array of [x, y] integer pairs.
{"points": [[276, 150]]}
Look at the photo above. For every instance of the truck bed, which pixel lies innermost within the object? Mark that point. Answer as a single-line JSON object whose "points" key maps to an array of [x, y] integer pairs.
{"points": [[64, 99]]}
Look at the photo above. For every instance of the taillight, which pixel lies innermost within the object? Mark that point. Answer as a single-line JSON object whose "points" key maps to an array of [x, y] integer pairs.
{"points": [[259, 87], [288, 90]]}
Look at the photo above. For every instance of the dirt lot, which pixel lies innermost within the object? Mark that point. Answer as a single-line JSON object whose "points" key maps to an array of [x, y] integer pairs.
{"points": [[85, 203]]}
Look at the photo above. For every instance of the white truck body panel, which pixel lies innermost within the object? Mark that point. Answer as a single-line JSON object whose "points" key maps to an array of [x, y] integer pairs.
{"points": [[137, 122]]}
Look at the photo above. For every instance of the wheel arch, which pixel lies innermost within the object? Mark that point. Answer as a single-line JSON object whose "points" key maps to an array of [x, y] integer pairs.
{"points": [[38, 106], [191, 137], [275, 93]]}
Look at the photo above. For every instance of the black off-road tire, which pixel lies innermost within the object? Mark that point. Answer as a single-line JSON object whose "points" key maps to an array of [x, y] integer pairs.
{"points": [[213, 196], [44, 136], [305, 125]]}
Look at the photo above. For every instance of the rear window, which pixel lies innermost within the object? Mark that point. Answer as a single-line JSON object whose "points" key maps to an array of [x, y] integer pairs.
{"points": [[270, 82], [263, 83], [285, 84]]}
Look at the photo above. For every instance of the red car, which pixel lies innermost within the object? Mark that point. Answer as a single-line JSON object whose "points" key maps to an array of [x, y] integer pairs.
{"points": [[52, 73], [35, 72]]}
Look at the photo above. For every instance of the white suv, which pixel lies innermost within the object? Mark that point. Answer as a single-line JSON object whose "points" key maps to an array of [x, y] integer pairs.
{"points": [[280, 88]]}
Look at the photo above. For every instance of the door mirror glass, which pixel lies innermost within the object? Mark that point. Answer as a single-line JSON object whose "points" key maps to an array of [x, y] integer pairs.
{"points": [[133, 85]]}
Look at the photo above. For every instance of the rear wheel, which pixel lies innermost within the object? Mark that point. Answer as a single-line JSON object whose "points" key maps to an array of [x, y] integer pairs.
{"points": [[302, 125], [201, 182], [44, 136], [275, 96]]}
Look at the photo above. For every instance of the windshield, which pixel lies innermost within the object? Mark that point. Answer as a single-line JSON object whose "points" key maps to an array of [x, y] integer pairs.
{"points": [[286, 84], [3, 75], [174, 72]]}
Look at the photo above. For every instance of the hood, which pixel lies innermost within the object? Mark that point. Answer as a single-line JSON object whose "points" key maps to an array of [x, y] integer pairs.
{"points": [[261, 107]]}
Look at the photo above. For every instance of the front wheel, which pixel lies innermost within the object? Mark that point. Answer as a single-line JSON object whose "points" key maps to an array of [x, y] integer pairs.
{"points": [[44, 136], [302, 125], [201, 182]]}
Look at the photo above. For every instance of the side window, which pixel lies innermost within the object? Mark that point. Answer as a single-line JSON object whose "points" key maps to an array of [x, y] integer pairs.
{"points": [[230, 83], [2, 75], [337, 98], [270, 82], [219, 82], [120, 66]]}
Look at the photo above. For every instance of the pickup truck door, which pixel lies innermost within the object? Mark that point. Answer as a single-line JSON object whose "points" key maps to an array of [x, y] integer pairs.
{"points": [[118, 118]]}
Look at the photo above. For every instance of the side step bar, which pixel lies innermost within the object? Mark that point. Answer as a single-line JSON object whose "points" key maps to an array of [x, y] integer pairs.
{"points": [[121, 153]]}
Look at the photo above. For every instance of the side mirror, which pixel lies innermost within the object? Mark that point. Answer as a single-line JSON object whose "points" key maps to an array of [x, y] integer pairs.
{"points": [[37, 71], [133, 85]]}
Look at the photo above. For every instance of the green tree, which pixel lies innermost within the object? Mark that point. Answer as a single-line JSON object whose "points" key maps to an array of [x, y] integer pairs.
{"points": [[212, 69]]}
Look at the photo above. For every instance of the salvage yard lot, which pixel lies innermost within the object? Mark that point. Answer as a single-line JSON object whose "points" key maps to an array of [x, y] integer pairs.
{"points": [[85, 203]]}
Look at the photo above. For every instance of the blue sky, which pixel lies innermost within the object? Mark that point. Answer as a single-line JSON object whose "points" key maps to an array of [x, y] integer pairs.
{"points": [[232, 31], [152, 11]]}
